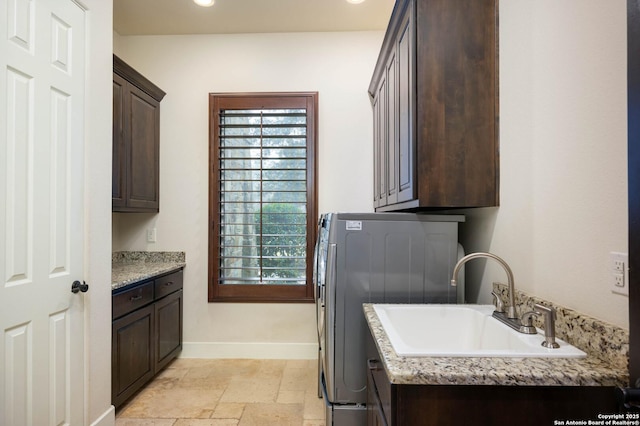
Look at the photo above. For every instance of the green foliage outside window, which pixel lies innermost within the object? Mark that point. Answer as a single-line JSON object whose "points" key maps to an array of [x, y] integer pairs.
{"points": [[283, 241]]}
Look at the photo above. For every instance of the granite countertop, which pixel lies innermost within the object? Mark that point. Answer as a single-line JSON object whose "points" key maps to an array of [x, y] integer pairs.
{"points": [[128, 267], [589, 371]]}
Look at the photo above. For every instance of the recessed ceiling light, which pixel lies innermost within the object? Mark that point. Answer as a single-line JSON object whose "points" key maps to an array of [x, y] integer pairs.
{"points": [[204, 3], [355, 1]]}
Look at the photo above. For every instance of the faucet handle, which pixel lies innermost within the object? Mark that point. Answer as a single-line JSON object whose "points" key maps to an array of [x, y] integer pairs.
{"points": [[527, 323], [497, 301], [527, 318]]}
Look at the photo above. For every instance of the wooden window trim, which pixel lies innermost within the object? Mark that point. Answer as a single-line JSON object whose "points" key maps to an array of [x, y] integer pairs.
{"points": [[262, 293]]}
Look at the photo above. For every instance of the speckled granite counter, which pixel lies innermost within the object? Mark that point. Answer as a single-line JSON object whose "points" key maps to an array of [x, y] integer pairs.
{"points": [[590, 371], [128, 267]]}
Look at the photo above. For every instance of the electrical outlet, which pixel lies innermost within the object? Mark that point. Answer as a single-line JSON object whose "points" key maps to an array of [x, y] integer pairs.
{"points": [[151, 235], [619, 273], [618, 265], [618, 280]]}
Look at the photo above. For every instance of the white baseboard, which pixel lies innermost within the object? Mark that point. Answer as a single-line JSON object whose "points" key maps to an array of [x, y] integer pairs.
{"points": [[108, 418], [210, 350]]}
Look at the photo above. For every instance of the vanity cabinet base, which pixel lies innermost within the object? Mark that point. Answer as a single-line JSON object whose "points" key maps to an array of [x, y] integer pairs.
{"points": [[495, 405], [146, 333], [460, 405]]}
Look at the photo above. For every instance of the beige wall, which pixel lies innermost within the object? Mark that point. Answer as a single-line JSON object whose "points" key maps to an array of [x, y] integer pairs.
{"points": [[563, 155], [563, 158], [188, 68]]}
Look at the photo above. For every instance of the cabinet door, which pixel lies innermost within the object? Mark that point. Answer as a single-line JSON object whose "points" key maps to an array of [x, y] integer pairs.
{"points": [[132, 359], [379, 392], [168, 313], [376, 151], [119, 177], [405, 52], [392, 130], [380, 145], [375, 415], [394, 111], [143, 153]]}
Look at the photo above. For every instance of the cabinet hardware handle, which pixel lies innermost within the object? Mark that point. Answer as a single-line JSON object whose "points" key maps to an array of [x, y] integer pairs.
{"points": [[134, 298], [373, 364], [168, 283]]}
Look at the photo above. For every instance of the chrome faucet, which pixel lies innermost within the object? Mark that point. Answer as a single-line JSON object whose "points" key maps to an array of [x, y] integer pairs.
{"points": [[510, 318], [511, 309]]}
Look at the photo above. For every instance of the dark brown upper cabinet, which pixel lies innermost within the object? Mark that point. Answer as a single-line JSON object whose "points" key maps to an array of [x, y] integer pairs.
{"points": [[434, 93], [136, 140]]}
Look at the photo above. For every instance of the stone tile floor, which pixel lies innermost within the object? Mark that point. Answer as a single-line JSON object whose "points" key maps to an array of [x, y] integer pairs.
{"points": [[244, 392]]}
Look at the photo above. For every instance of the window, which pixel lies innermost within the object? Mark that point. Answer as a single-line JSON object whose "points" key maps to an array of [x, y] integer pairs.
{"points": [[262, 196]]}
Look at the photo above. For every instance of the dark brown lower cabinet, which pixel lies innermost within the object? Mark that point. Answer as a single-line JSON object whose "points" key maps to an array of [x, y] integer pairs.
{"points": [[444, 405], [131, 357], [168, 329], [375, 412], [146, 333]]}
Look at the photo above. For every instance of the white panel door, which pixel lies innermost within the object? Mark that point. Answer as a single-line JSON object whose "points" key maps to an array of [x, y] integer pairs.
{"points": [[42, 86]]}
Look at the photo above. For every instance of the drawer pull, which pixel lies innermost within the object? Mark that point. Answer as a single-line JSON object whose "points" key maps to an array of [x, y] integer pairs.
{"points": [[167, 284], [373, 364], [135, 298]]}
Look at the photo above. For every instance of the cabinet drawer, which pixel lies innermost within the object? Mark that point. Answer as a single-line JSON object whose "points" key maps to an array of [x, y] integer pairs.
{"points": [[132, 299], [168, 284]]}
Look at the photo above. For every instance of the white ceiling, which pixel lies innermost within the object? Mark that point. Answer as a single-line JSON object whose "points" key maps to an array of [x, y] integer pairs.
{"points": [[164, 17]]}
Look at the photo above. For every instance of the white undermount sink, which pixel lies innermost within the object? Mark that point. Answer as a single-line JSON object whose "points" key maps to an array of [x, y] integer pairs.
{"points": [[461, 331]]}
